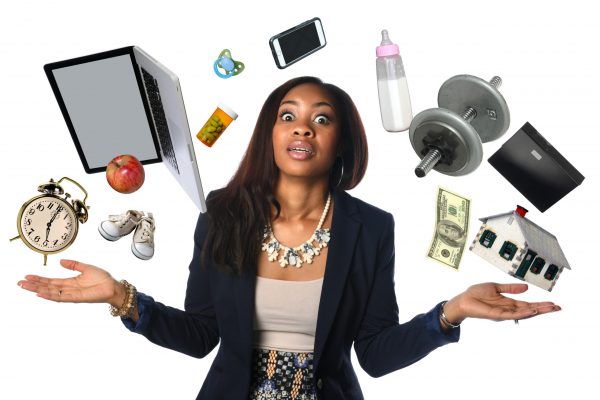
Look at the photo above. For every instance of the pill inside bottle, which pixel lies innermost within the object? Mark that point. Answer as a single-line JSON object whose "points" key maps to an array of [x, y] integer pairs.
{"points": [[216, 124]]}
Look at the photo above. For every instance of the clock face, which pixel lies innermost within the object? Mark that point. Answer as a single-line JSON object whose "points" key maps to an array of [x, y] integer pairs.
{"points": [[48, 224]]}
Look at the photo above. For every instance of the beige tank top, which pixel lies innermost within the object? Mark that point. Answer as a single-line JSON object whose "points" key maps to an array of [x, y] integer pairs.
{"points": [[285, 316]]}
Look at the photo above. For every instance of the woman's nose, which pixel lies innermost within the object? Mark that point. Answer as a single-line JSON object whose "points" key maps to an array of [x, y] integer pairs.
{"points": [[302, 129]]}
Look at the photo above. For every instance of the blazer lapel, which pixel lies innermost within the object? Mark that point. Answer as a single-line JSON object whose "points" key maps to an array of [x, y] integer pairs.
{"points": [[344, 233]]}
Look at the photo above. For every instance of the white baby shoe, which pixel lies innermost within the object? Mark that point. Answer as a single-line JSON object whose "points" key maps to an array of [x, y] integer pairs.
{"points": [[117, 226], [143, 238]]}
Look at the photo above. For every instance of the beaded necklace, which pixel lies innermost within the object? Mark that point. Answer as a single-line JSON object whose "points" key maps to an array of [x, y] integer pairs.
{"points": [[305, 252]]}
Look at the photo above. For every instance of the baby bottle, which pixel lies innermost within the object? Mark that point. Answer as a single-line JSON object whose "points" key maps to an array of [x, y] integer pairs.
{"points": [[394, 100]]}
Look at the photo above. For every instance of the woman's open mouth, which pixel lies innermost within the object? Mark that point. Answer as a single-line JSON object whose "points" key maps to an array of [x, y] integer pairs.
{"points": [[300, 150]]}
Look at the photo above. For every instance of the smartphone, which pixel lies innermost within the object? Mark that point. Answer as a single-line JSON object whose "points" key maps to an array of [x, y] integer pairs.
{"points": [[298, 42]]}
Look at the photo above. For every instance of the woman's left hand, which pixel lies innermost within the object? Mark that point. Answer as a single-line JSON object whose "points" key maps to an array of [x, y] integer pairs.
{"points": [[486, 300]]}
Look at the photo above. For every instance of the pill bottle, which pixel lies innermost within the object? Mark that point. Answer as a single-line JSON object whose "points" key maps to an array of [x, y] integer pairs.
{"points": [[394, 99], [216, 124]]}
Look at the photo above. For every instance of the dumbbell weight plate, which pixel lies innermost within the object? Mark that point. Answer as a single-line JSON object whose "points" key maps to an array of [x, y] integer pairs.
{"points": [[463, 91], [451, 128]]}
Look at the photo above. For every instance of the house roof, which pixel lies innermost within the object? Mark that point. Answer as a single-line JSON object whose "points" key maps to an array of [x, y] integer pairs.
{"points": [[537, 238]]}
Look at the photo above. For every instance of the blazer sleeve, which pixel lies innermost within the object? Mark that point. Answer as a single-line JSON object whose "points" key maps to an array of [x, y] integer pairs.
{"points": [[194, 331], [383, 345]]}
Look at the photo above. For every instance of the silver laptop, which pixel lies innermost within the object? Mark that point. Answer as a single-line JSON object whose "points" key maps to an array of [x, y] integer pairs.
{"points": [[123, 101]]}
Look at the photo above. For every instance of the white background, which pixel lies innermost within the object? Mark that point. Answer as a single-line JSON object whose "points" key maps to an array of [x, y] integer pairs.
{"points": [[548, 58]]}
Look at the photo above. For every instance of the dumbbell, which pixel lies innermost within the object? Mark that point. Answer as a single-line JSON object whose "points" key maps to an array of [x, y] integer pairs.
{"points": [[449, 139]]}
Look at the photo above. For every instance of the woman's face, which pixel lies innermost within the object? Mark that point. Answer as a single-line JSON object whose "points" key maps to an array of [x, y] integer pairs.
{"points": [[306, 132]]}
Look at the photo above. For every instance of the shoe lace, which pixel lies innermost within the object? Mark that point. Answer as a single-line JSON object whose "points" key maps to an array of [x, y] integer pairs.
{"points": [[121, 219], [147, 230]]}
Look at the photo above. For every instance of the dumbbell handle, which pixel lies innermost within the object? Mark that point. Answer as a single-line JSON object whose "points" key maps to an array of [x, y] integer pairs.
{"points": [[434, 155]]}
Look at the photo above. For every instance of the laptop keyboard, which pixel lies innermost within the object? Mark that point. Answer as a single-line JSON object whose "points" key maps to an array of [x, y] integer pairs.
{"points": [[160, 119]]}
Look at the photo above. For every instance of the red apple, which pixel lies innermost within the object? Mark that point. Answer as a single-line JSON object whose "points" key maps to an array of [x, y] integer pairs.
{"points": [[125, 173]]}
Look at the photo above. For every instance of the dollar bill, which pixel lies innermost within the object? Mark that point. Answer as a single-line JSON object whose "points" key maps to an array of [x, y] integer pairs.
{"points": [[451, 228]]}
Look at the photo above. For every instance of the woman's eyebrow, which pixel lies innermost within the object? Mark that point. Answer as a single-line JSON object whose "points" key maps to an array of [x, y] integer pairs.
{"points": [[318, 104], [322, 103]]}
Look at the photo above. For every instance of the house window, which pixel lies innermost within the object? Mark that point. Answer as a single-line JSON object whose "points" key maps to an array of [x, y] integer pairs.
{"points": [[487, 238], [537, 265], [508, 250], [551, 272]]}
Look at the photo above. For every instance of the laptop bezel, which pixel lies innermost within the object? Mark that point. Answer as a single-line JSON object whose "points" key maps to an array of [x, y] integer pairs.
{"points": [[49, 69]]}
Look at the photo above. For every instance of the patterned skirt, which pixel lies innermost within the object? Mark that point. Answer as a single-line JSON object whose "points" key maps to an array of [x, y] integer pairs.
{"points": [[282, 375]]}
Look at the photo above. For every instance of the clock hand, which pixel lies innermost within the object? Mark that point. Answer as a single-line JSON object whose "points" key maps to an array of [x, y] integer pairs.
{"points": [[49, 224], [58, 210]]}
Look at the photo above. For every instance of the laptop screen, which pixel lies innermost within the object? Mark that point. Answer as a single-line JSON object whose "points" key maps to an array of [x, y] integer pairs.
{"points": [[101, 101]]}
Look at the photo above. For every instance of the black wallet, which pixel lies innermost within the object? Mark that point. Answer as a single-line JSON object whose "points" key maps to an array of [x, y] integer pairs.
{"points": [[535, 168]]}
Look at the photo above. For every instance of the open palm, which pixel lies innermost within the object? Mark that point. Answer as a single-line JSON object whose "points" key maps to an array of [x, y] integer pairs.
{"points": [[92, 285], [486, 300]]}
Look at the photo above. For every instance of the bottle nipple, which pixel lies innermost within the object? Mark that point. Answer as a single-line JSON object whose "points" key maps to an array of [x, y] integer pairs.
{"points": [[385, 38]]}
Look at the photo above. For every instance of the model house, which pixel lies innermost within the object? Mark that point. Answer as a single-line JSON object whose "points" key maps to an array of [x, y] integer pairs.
{"points": [[520, 248]]}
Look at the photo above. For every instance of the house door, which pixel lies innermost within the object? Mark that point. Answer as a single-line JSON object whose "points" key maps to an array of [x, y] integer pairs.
{"points": [[527, 260]]}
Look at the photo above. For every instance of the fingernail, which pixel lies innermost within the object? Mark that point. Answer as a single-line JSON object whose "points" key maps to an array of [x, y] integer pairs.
{"points": [[20, 284], [557, 308], [534, 312]]}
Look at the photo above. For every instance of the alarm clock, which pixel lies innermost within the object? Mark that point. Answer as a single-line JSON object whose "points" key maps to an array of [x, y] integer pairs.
{"points": [[48, 223]]}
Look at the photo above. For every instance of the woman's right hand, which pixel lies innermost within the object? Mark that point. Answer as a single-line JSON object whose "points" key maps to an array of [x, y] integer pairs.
{"points": [[92, 285]]}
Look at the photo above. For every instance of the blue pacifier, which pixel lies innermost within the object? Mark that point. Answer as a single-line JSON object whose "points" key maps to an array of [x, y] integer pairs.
{"points": [[227, 63]]}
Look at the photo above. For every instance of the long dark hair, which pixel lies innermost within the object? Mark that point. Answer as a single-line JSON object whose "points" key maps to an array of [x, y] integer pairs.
{"points": [[238, 213]]}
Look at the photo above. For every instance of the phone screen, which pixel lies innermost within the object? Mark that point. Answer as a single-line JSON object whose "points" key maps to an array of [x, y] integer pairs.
{"points": [[299, 42]]}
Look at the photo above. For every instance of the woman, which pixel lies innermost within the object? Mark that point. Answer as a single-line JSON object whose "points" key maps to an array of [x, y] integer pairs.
{"points": [[287, 332]]}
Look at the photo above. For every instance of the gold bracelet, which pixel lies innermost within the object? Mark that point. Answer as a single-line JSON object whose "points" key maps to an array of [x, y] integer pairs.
{"points": [[129, 302]]}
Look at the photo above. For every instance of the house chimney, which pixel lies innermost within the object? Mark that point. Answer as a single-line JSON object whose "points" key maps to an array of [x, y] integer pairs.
{"points": [[521, 211]]}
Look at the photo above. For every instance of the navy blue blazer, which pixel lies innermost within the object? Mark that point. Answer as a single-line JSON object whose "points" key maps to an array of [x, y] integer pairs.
{"points": [[357, 305]]}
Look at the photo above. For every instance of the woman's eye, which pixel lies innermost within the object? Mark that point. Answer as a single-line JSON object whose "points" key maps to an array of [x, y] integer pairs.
{"points": [[287, 116], [322, 119]]}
